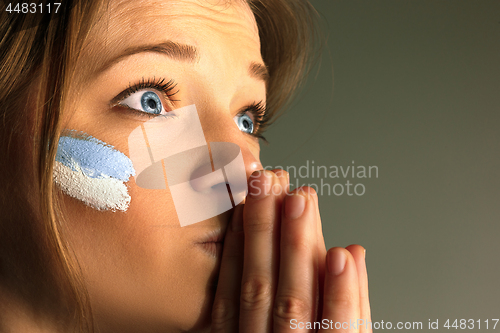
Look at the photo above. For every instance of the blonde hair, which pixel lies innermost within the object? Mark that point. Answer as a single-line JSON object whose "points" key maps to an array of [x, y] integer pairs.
{"points": [[36, 58]]}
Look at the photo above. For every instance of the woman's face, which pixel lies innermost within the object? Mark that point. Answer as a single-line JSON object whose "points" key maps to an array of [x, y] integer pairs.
{"points": [[145, 272]]}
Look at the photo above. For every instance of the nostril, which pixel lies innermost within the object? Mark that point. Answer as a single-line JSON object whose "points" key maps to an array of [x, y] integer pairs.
{"points": [[220, 186], [204, 182], [228, 158]]}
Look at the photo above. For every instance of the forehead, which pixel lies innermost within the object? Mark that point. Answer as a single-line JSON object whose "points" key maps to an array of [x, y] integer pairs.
{"points": [[227, 28], [182, 17]]}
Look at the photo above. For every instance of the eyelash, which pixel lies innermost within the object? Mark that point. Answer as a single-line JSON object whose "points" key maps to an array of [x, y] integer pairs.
{"points": [[166, 88], [260, 116], [257, 109]]}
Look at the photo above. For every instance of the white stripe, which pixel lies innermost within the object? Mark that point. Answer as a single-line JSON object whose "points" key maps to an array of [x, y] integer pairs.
{"points": [[98, 193]]}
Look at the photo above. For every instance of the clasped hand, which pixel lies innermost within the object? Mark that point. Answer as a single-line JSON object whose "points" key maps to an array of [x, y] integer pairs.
{"points": [[276, 274]]}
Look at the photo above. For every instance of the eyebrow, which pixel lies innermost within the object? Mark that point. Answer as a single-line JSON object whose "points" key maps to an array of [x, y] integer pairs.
{"points": [[258, 71], [171, 49], [183, 52]]}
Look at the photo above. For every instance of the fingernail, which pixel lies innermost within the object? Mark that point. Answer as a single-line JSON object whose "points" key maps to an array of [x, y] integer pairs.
{"points": [[336, 261], [294, 206], [284, 183], [365, 253], [260, 184], [287, 175]]}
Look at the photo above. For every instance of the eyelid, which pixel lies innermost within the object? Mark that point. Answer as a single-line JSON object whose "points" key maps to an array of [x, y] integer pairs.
{"points": [[165, 89], [260, 117]]}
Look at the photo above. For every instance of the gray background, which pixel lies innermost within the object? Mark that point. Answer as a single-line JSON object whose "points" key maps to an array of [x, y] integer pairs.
{"points": [[412, 87]]}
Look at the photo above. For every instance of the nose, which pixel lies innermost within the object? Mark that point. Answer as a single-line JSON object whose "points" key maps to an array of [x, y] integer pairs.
{"points": [[224, 167], [206, 169], [227, 167], [230, 153], [224, 179]]}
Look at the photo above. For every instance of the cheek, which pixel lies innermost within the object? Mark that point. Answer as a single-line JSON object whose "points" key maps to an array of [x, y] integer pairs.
{"points": [[254, 148], [132, 264], [140, 266], [93, 172]]}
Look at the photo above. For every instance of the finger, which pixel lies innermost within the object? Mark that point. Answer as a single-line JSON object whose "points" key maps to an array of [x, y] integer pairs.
{"points": [[358, 253], [321, 259], [295, 300], [284, 179], [260, 270], [225, 311], [341, 294]]}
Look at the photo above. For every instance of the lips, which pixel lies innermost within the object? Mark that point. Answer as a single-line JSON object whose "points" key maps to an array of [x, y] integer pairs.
{"points": [[212, 243]]}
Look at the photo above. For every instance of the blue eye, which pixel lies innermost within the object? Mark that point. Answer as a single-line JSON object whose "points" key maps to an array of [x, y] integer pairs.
{"points": [[151, 102], [244, 122], [145, 101]]}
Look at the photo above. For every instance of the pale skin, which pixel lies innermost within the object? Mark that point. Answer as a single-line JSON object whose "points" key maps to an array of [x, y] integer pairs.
{"points": [[144, 272]]}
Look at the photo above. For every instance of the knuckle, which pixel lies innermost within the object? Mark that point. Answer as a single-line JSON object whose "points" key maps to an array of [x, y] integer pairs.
{"points": [[290, 307], [255, 293], [262, 224], [223, 311], [345, 299], [297, 243]]}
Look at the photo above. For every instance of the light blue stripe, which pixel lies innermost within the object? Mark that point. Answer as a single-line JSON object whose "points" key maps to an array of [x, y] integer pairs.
{"points": [[95, 158]]}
